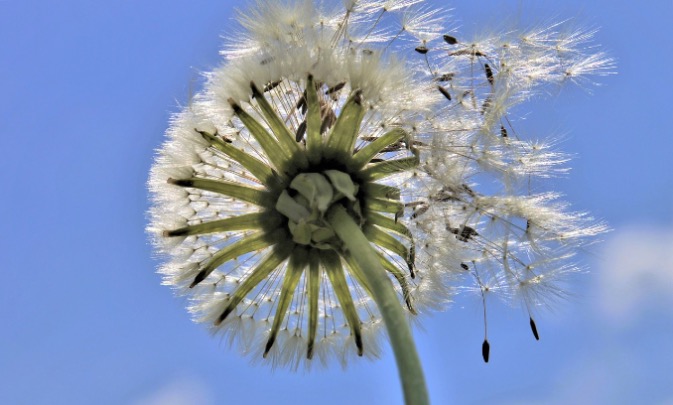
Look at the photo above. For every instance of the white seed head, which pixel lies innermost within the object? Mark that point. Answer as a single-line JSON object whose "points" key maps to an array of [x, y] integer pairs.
{"points": [[322, 105]]}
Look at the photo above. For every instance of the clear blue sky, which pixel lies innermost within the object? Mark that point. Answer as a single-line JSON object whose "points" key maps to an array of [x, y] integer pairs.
{"points": [[87, 91]]}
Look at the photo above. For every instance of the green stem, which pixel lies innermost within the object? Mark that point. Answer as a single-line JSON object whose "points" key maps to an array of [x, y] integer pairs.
{"points": [[408, 363]]}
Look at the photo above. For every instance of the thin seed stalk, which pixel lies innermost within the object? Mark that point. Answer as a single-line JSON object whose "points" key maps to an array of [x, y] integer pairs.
{"points": [[359, 248]]}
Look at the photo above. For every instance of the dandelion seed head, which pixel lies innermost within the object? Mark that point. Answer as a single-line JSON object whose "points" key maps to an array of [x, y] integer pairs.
{"points": [[318, 106]]}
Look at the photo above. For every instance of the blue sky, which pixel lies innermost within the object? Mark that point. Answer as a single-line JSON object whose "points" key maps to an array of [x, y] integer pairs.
{"points": [[87, 91]]}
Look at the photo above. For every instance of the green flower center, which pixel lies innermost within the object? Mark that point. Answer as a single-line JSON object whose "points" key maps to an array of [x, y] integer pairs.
{"points": [[307, 201]]}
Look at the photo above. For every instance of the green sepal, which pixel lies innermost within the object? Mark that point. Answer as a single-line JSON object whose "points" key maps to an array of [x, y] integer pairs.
{"points": [[356, 271], [247, 244], [387, 168], [260, 170], [270, 263], [334, 269], [364, 155], [256, 220], [387, 241], [295, 268], [244, 193], [377, 190], [314, 141], [401, 280], [383, 205], [390, 224], [341, 141], [285, 138], [280, 158]]}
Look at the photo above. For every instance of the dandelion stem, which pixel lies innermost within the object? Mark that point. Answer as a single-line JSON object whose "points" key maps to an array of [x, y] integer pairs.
{"points": [[359, 248]]}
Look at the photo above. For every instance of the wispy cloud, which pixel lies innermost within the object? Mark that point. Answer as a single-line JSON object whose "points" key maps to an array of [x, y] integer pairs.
{"points": [[637, 272], [180, 391]]}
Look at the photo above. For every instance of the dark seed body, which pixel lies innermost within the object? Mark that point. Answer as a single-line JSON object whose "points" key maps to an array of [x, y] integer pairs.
{"points": [[444, 92], [450, 40], [533, 327]]}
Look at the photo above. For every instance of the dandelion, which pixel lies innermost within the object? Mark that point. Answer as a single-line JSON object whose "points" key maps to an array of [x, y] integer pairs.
{"points": [[325, 183]]}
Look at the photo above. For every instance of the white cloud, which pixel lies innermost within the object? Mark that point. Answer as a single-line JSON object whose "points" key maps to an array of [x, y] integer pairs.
{"points": [[636, 272], [181, 391]]}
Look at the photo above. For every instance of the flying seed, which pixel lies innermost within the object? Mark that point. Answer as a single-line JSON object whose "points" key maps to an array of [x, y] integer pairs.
{"points": [[450, 40], [421, 49], [357, 97], [486, 105], [489, 73], [444, 92], [301, 131], [468, 190], [464, 233], [468, 51], [301, 104], [485, 350], [464, 266], [328, 118], [397, 146], [503, 131], [533, 327], [336, 88], [420, 210], [444, 195], [445, 77]]}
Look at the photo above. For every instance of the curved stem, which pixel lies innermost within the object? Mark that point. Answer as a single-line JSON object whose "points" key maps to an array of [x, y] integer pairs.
{"points": [[408, 363]]}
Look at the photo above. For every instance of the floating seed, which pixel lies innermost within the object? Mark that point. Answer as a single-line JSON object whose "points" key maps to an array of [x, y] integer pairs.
{"points": [[301, 104], [450, 40], [328, 119], [336, 88], [421, 49], [489, 73], [485, 350], [533, 327], [444, 92], [469, 51], [301, 131], [464, 233], [445, 77]]}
